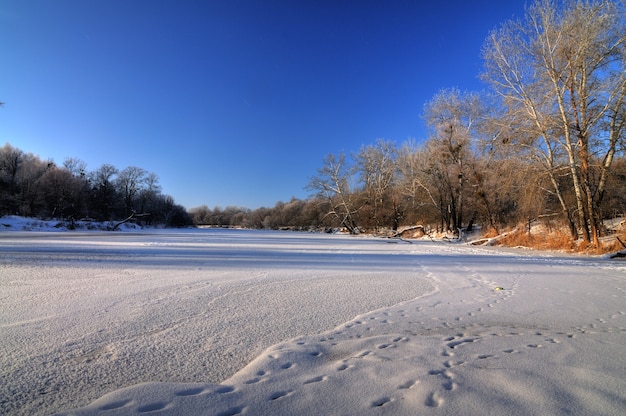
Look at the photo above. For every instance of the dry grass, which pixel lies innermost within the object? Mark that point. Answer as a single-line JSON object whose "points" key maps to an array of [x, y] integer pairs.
{"points": [[556, 240], [560, 240], [611, 244], [491, 232]]}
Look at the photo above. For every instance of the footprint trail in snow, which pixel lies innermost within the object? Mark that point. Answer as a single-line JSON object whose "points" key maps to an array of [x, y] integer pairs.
{"points": [[546, 342]]}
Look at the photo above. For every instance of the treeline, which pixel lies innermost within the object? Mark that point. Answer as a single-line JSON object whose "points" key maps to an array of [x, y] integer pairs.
{"points": [[545, 141], [384, 187], [297, 214], [32, 187]]}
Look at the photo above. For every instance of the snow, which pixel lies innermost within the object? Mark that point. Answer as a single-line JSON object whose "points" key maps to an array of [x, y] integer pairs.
{"points": [[17, 223], [225, 322]]}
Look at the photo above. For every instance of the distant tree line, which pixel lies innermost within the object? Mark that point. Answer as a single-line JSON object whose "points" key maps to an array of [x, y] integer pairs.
{"points": [[297, 214], [545, 142], [32, 187]]}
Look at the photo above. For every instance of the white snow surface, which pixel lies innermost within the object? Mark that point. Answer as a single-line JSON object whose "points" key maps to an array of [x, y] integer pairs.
{"points": [[227, 322]]}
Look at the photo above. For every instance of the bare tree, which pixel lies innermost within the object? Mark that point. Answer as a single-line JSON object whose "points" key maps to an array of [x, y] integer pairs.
{"points": [[377, 169], [129, 182], [419, 185], [149, 193], [29, 201], [452, 117], [61, 191], [103, 194], [11, 160], [563, 70], [75, 166], [200, 215], [332, 185]]}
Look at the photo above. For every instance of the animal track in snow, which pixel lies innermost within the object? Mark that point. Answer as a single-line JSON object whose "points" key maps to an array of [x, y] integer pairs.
{"points": [[190, 392], [433, 400], [254, 380], [225, 389], [316, 379], [393, 343], [280, 394], [233, 411], [115, 405], [409, 384], [449, 385], [152, 407], [344, 366], [382, 402], [450, 364], [454, 344]]}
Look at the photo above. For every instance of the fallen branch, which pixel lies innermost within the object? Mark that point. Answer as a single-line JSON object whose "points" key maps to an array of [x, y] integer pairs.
{"points": [[488, 241], [132, 216]]}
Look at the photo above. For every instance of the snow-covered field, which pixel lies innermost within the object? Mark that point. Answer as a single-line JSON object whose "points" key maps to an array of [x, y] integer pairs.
{"points": [[226, 322]]}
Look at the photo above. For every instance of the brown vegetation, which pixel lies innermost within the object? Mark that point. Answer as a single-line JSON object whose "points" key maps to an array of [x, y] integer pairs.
{"points": [[555, 240], [560, 240]]}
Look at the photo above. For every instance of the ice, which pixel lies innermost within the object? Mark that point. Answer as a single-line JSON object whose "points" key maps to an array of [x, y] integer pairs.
{"points": [[217, 322]]}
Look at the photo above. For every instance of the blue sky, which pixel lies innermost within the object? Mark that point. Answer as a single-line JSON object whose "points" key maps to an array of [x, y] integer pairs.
{"points": [[230, 102]]}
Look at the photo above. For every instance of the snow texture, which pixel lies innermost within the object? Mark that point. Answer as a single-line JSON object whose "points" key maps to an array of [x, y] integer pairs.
{"points": [[227, 322]]}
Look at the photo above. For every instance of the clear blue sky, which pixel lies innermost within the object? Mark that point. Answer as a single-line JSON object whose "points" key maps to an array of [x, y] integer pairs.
{"points": [[230, 102]]}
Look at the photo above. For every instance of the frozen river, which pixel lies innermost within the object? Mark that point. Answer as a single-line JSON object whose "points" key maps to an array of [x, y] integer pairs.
{"points": [[84, 314]]}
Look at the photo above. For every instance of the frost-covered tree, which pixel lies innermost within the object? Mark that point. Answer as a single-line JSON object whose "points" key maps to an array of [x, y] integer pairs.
{"points": [[332, 185], [561, 73]]}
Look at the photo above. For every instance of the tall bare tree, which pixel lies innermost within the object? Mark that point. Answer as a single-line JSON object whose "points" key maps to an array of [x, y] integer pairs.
{"points": [[412, 184], [452, 117], [377, 170], [62, 192], [129, 182], [11, 160], [104, 194], [332, 184], [149, 193], [562, 70], [75, 166]]}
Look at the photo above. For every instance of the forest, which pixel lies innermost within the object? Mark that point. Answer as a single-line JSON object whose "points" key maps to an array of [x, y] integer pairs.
{"points": [[32, 187], [544, 142]]}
